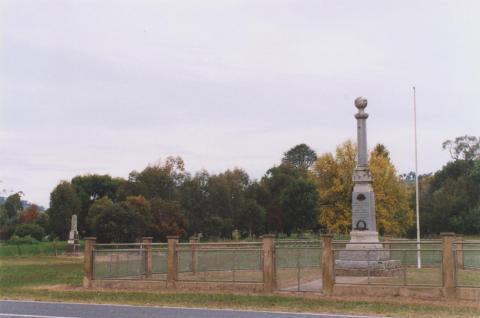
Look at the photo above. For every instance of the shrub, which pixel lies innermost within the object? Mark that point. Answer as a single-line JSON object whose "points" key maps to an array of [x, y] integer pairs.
{"points": [[6, 231], [34, 230], [22, 240]]}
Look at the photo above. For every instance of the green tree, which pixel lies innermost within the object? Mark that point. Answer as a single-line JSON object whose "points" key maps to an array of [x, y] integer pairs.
{"points": [[193, 196], [64, 202], [161, 180], [301, 157], [9, 215], [120, 223], [226, 198], [251, 219], [7, 225], [450, 201], [13, 205], [290, 199], [97, 208], [90, 188], [463, 148]]}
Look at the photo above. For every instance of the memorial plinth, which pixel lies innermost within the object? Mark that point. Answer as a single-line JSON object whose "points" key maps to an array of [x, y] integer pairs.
{"points": [[364, 254]]}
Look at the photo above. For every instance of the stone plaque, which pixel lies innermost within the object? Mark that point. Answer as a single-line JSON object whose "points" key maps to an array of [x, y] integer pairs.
{"points": [[363, 211]]}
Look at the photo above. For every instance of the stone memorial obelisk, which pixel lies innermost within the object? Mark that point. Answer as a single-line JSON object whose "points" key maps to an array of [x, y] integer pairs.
{"points": [[364, 224], [73, 243], [364, 254]]}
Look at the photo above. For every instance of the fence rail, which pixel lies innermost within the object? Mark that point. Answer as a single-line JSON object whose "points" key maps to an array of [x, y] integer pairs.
{"points": [[291, 265]]}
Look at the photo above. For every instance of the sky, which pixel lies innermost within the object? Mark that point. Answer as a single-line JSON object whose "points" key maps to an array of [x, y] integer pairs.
{"points": [[112, 86]]}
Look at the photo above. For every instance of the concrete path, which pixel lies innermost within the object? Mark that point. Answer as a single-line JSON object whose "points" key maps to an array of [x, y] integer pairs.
{"points": [[27, 309]]}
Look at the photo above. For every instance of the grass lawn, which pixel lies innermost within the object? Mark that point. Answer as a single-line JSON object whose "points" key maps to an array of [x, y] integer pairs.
{"points": [[37, 249], [59, 279]]}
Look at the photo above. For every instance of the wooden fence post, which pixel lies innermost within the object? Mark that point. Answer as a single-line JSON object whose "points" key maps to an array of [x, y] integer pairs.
{"points": [[172, 261], [328, 262], [269, 272], [448, 265], [147, 248], [194, 240], [88, 261]]}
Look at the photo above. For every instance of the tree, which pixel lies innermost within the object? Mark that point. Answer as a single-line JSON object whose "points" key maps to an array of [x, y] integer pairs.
{"points": [[30, 214], [130, 187], [9, 215], [193, 196], [392, 196], [13, 205], [215, 205], [334, 183], [120, 223], [162, 180], [299, 202], [251, 219], [96, 209], [64, 202], [90, 188], [7, 225], [43, 221], [167, 219], [463, 148], [450, 200], [301, 156], [290, 199], [225, 202], [333, 176], [381, 151]]}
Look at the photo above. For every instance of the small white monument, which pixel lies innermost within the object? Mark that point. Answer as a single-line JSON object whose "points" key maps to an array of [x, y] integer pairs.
{"points": [[73, 243]]}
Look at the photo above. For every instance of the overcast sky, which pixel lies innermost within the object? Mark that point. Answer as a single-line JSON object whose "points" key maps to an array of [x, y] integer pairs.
{"points": [[112, 86]]}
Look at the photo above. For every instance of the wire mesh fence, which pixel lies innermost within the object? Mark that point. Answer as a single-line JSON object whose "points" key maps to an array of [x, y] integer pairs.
{"points": [[467, 256], [118, 263], [159, 261], [391, 263], [429, 255], [299, 265], [220, 262]]}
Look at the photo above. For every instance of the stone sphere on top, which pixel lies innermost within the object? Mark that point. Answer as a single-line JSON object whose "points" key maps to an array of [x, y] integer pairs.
{"points": [[361, 102]]}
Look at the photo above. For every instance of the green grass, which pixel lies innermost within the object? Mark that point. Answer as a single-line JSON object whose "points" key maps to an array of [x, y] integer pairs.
{"points": [[38, 249], [19, 272], [59, 279]]}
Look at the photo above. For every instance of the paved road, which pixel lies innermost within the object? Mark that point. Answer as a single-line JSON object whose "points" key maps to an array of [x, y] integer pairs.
{"points": [[27, 309]]}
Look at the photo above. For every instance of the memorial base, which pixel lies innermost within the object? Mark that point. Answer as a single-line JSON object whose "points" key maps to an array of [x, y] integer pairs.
{"points": [[73, 247], [365, 256]]}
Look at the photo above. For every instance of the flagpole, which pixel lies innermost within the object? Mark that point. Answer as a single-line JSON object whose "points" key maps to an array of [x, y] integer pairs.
{"points": [[417, 206]]}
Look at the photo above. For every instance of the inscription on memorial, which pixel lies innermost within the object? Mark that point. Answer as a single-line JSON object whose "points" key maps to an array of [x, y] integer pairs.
{"points": [[362, 211]]}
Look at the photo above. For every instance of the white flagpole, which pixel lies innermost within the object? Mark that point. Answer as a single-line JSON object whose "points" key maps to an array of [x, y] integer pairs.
{"points": [[417, 206]]}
